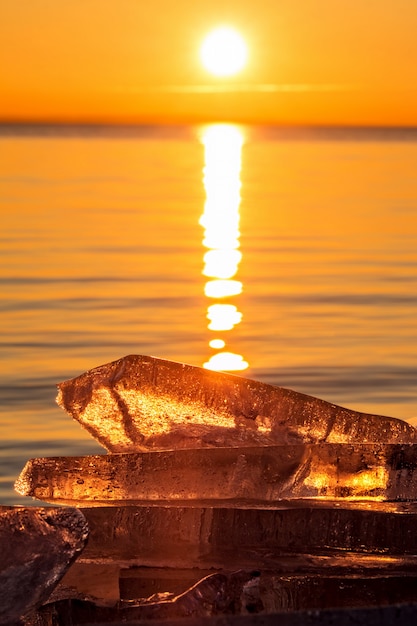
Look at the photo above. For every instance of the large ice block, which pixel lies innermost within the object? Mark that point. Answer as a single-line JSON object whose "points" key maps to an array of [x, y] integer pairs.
{"points": [[251, 475], [284, 538], [37, 547], [141, 402]]}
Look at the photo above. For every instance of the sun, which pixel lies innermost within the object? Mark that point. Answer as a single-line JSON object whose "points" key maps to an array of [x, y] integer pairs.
{"points": [[224, 52]]}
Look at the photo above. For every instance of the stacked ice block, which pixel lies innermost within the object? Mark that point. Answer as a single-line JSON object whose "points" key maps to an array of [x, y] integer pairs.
{"points": [[230, 500]]}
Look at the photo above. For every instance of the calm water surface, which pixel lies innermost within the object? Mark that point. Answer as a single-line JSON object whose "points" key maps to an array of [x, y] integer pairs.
{"points": [[297, 251]]}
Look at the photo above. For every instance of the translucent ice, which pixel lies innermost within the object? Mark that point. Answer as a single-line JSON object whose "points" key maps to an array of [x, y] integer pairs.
{"points": [[140, 402], [294, 536], [37, 547], [251, 475], [289, 502]]}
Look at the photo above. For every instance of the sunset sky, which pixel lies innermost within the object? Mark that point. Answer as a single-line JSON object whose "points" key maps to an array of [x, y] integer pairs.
{"points": [[310, 61]]}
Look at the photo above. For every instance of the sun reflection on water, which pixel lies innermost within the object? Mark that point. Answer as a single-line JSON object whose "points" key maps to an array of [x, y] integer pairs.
{"points": [[222, 288], [220, 220]]}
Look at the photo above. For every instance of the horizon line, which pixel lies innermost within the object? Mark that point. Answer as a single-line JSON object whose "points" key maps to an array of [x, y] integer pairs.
{"points": [[149, 124]]}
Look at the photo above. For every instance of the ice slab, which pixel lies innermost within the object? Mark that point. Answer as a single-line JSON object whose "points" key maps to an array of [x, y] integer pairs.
{"points": [[251, 475], [107, 583], [245, 593], [373, 534], [216, 594], [37, 547], [291, 590], [141, 402], [270, 591]]}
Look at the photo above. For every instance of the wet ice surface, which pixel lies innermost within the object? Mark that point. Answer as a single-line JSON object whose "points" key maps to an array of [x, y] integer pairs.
{"points": [[222, 496], [140, 402], [252, 475]]}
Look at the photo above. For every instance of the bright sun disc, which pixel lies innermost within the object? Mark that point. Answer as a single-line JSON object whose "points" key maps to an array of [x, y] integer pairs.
{"points": [[224, 52]]}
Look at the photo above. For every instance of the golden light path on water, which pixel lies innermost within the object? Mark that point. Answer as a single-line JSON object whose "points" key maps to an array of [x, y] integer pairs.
{"points": [[220, 220]]}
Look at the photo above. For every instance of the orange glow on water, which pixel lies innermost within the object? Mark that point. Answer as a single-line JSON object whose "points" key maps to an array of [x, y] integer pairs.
{"points": [[220, 220]]}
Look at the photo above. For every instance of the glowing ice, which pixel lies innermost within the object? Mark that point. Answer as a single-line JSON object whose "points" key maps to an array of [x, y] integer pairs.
{"points": [[140, 402], [252, 475], [221, 474]]}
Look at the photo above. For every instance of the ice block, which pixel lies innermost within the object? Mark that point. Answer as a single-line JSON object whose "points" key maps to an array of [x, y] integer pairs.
{"points": [[37, 547], [252, 475], [142, 403], [377, 534]]}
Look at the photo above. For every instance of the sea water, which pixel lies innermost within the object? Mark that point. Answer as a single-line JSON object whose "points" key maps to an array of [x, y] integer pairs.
{"points": [[287, 256]]}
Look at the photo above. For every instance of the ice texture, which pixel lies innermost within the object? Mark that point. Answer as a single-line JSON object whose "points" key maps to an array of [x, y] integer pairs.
{"points": [[231, 538], [269, 591], [251, 475], [186, 563], [225, 497], [141, 403], [37, 547]]}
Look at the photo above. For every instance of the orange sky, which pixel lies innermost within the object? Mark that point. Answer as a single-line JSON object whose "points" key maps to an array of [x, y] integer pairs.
{"points": [[311, 61]]}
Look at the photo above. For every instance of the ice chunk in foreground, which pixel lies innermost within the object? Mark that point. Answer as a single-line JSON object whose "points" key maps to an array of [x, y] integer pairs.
{"points": [[37, 547], [141, 402], [290, 503], [251, 475]]}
